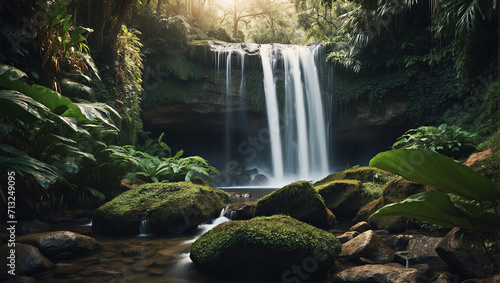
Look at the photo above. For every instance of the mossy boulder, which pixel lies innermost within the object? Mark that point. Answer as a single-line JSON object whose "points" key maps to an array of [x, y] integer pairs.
{"points": [[266, 246], [396, 190], [346, 197], [363, 174], [299, 200], [170, 208]]}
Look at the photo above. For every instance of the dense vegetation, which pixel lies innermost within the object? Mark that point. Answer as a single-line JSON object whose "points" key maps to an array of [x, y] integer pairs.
{"points": [[75, 76]]}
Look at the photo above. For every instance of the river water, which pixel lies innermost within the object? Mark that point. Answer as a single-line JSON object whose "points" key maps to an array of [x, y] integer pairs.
{"points": [[145, 258]]}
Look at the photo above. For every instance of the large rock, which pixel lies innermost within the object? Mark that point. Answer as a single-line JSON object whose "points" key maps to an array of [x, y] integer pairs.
{"points": [[299, 200], [170, 208], [363, 174], [28, 260], [396, 190], [266, 246], [346, 197], [58, 242], [370, 246], [260, 180], [464, 253], [379, 273], [424, 249]]}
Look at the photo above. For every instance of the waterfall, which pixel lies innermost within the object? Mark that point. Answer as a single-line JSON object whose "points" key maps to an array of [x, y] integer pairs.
{"points": [[304, 148], [144, 228], [298, 123], [273, 121]]}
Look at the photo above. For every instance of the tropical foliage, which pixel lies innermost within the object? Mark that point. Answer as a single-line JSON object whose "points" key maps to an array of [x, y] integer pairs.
{"points": [[445, 139], [450, 177], [152, 168], [42, 132]]}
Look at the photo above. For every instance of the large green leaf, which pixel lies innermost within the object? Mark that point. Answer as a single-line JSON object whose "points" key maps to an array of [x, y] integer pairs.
{"points": [[20, 106], [18, 161], [435, 170], [100, 111], [434, 207], [11, 73]]}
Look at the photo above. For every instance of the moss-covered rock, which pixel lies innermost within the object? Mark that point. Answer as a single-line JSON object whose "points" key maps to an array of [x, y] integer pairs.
{"points": [[363, 174], [346, 197], [299, 200], [170, 208], [396, 190], [266, 246]]}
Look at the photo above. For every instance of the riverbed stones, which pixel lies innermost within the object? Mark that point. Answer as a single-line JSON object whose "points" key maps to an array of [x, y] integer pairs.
{"points": [[379, 273], [299, 200], [368, 245], [265, 246], [463, 252], [28, 261], [58, 242], [170, 208]]}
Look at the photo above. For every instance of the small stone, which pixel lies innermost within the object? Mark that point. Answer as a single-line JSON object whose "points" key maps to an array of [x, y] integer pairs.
{"points": [[128, 260], [379, 273], [147, 263], [421, 267], [139, 269], [156, 271], [368, 245], [397, 242], [58, 242], [133, 251], [347, 236], [72, 269], [361, 227], [90, 261], [108, 254]]}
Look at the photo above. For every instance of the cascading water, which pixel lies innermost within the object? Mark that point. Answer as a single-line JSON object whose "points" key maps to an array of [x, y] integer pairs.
{"points": [[304, 148], [298, 134], [144, 228]]}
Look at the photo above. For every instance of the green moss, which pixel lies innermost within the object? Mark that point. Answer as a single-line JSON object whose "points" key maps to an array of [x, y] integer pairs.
{"points": [[179, 205], [278, 234], [363, 174], [299, 200], [373, 190]]}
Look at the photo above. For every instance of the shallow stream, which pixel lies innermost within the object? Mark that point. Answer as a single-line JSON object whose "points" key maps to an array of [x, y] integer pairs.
{"points": [[145, 258]]}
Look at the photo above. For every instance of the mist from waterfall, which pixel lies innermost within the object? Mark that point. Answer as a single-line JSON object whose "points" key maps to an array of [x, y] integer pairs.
{"points": [[297, 126]]}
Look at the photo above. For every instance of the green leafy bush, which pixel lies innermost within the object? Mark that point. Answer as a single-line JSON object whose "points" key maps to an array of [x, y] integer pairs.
{"points": [[42, 134], [451, 141], [150, 168]]}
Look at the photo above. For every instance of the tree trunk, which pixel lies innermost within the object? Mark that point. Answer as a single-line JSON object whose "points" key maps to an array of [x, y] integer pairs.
{"points": [[158, 7], [235, 21]]}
